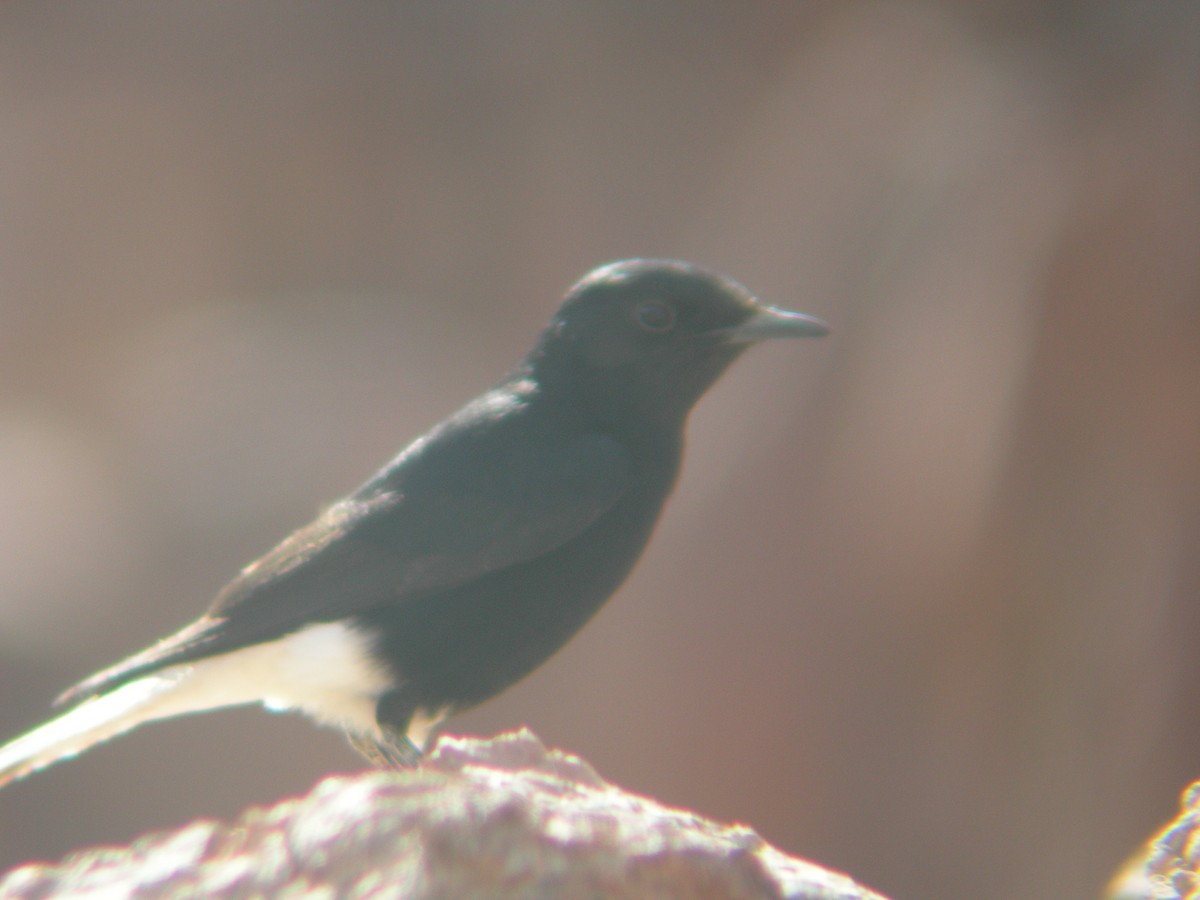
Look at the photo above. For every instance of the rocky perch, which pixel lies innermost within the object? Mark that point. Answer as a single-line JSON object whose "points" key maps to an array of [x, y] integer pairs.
{"points": [[1168, 867], [480, 818]]}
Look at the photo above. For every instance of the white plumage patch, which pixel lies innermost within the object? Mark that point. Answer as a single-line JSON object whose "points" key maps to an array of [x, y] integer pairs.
{"points": [[324, 670]]}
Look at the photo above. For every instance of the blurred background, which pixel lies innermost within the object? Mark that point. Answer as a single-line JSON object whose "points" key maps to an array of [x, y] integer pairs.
{"points": [[924, 606]]}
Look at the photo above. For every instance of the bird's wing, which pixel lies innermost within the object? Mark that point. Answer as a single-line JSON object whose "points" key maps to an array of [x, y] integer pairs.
{"points": [[450, 509]]}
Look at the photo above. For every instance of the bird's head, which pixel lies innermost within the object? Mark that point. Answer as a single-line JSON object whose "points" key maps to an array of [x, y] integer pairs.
{"points": [[644, 338]]}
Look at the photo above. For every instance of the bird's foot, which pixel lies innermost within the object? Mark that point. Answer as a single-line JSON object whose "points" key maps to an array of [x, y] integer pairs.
{"points": [[388, 750]]}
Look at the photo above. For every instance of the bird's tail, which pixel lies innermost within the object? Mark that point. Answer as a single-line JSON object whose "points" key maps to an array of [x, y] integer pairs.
{"points": [[323, 669], [90, 723]]}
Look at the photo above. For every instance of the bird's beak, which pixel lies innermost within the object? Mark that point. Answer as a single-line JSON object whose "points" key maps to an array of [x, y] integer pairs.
{"points": [[768, 322]]}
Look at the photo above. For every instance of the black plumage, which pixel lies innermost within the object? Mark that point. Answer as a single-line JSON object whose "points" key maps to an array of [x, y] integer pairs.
{"points": [[473, 555]]}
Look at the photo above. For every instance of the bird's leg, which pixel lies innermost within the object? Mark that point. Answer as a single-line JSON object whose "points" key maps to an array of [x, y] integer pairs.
{"points": [[391, 747], [389, 750]]}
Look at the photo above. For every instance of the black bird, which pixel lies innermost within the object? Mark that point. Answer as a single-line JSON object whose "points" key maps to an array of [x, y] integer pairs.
{"points": [[472, 556]]}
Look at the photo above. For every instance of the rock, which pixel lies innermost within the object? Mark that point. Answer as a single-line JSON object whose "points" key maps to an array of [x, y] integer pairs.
{"points": [[480, 818], [1166, 868]]}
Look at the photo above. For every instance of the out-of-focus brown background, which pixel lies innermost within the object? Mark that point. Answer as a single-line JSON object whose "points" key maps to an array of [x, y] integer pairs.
{"points": [[924, 607]]}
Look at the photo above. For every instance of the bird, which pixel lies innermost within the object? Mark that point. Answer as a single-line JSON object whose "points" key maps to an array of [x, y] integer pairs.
{"points": [[469, 558]]}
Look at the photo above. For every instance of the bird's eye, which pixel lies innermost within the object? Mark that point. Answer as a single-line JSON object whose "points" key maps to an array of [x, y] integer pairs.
{"points": [[655, 316]]}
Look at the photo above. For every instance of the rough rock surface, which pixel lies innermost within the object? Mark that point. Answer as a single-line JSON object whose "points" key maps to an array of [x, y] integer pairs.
{"points": [[498, 818], [1166, 868]]}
